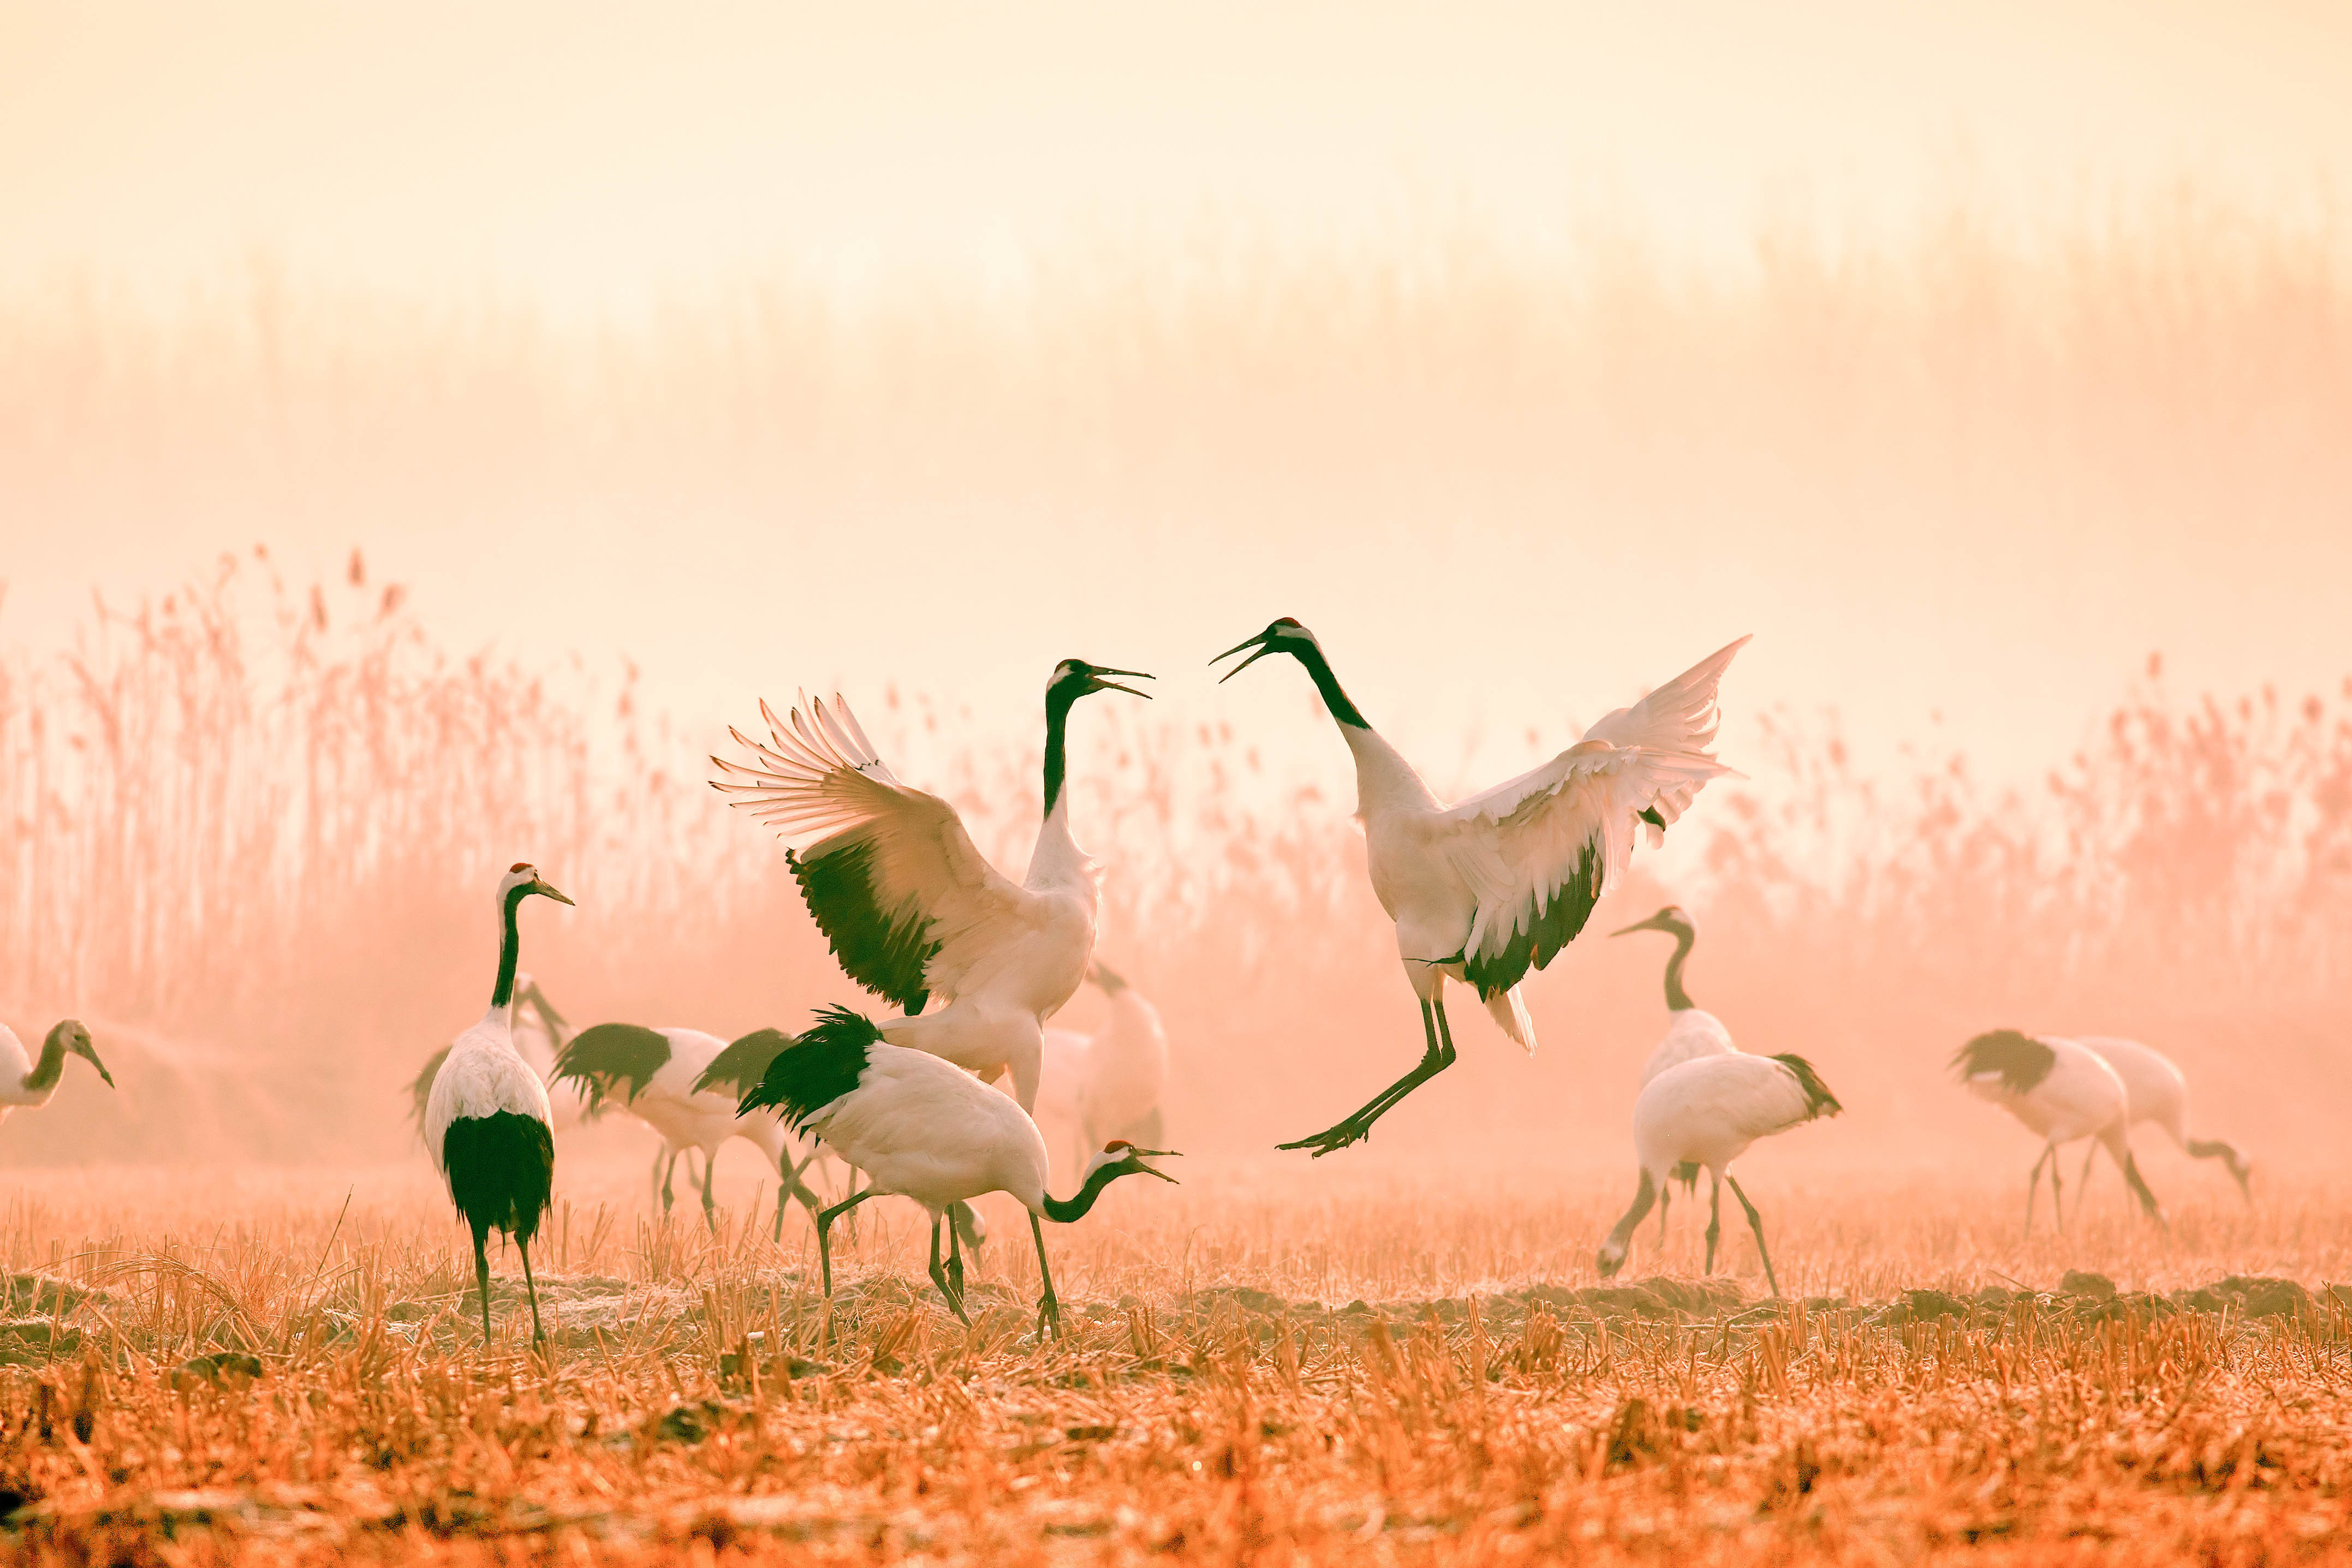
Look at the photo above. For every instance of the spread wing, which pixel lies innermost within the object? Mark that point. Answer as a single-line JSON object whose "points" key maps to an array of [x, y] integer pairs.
{"points": [[904, 897], [1540, 850]]}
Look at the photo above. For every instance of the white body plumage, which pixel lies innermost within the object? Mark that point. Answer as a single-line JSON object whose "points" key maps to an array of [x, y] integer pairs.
{"points": [[2061, 1091], [1109, 1084], [1690, 1033], [482, 1075], [920, 1127]]}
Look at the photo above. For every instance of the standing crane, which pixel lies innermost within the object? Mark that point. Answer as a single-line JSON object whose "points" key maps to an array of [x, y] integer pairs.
{"points": [[1691, 1030], [2061, 1091], [662, 1077], [486, 1120], [1707, 1111], [908, 903], [1485, 890], [1110, 1084], [26, 1084], [2157, 1091], [921, 1128]]}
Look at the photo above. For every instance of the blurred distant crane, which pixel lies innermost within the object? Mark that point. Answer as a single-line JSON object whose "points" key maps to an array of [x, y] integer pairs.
{"points": [[1691, 1030], [923, 1129], [905, 897], [26, 1084], [1109, 1085], [664, 1077], [1707, 1111], [486, 1120], [2159, 1092], [2061, 1091], [1486, 890]]}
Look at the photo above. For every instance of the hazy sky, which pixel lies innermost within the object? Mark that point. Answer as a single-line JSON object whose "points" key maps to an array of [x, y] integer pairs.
{"points": [[591, 157], [588, 151]]}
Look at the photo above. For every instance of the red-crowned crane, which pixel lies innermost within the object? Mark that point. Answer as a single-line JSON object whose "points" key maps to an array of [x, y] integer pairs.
{"points": [[1707, 1111], [1485, 890], [921, 1128], [486, 1120], [683, 1083], [1109, 1084], [26, 1084], [2158, 1091], [1691, 1030], [908, 903], [2061, 1091]]}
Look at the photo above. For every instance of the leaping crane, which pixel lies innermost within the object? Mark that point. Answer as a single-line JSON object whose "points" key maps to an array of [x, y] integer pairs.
{"points": [[1484, 891]]}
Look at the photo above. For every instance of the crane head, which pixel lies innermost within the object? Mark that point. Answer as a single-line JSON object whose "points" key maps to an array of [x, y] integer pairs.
{"points": [[524, 876], [1671, 920], [74, 1036], [1283, 636], [1124, 1157], [1075, 678]]}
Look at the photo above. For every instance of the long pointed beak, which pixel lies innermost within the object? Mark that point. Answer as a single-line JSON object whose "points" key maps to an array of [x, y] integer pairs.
{"points": [[1650, 925], [1154, 1170], [1103, 685], [91, 1057], [550, 891], [1258, 643]]}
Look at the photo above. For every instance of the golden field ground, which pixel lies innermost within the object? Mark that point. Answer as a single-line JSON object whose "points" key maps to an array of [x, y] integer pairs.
{"points": [[1361, 1358]]}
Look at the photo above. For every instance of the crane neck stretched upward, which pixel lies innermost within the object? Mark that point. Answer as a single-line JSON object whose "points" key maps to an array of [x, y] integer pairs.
{"points": [[1057, 723], [1318, 668], [1677, 999], [510, 951], [1068, 1210]]}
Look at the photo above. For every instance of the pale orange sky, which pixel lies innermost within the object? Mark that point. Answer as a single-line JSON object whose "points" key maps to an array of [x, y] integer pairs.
{"points": [[591, 152], [593, 159]]}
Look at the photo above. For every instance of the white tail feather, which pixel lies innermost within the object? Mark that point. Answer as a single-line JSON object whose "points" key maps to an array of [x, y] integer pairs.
{"points": [[1509, 1011]]}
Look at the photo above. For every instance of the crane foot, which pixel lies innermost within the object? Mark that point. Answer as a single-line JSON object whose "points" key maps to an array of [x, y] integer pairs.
{"points": [[1334, 1138]]}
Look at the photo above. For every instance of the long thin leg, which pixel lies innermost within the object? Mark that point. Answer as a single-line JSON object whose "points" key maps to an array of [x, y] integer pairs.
{"points": [[825, 1224], [1713, 1222], [2139, 1190], [955, 1254], [939, 1276], [2033, 1181], [709, 1181], [668, 1171], [1756, 1223], [1665, 1197], [2083, 1182], [530, 1286], [1049, 1310], [790, 1186], [1437, 1055], [2057, 1196], [482, 1275]]}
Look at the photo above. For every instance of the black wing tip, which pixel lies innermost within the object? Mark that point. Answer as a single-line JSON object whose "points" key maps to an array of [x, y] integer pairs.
{"points": [[1819, 1100]]}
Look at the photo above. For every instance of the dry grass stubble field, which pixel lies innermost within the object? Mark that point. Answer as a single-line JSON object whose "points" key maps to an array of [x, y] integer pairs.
{"points": [[1361, 1358]]}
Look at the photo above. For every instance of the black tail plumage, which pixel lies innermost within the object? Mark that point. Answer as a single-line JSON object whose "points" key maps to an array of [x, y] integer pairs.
{"points": [[1819, 1100], [2020, 1060], [613, 1054], [816, 1070], [744, 1062]]}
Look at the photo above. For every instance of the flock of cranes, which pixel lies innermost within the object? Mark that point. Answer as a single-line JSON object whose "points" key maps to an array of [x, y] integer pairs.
{"points": [[938, 1101]]}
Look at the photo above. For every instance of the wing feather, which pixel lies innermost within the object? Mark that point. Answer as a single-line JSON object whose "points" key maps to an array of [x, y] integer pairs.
{"points": [[1540, 850], [904, 897]]}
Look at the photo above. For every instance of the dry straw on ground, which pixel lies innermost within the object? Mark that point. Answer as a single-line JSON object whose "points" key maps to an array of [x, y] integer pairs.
{"points": [[253, 1370]]}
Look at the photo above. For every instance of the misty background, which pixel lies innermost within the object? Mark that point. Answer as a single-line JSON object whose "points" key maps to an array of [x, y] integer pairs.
{"points": [[418, 440]]}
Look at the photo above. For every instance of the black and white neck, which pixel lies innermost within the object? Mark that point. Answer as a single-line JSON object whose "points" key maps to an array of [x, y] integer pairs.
{"points": [[1068, 1210], [1310, 653], [521, 881]]}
